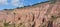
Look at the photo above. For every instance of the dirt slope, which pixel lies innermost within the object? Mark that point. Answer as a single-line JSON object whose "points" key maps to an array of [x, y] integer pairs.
{"points": [[34, 16]]}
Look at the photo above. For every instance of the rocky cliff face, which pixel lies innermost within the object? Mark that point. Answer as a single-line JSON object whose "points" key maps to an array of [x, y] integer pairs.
{"points": [[40, 15]]}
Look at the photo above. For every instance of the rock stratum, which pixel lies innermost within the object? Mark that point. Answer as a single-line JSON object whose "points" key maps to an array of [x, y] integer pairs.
{"points": [[40, 15]]}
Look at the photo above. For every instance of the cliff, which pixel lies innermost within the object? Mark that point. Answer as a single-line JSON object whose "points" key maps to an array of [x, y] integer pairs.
{"points": [[39, 15]]}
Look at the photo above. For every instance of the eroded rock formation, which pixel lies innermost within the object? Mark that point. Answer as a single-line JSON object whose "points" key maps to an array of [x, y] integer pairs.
{"points": [[33, 16]]}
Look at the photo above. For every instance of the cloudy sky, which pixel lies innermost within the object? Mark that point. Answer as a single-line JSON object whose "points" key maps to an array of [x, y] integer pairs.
{"points": [[8, 4]]}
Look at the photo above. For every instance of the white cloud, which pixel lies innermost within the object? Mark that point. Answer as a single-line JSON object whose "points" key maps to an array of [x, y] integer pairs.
{"points": [[17, 3], [13, 2], [3, 2]]}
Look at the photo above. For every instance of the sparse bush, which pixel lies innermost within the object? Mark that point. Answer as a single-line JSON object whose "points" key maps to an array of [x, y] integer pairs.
{"points": [[6, 24], [44, 26], [53, 18]]}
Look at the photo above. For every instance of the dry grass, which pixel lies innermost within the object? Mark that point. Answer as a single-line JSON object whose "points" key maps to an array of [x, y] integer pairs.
{"points": [[7, 24]]}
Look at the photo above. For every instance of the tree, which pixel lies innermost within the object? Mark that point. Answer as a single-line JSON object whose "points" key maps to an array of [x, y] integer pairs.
{"points": [[5, 9], [18, 8], [52, 1]]}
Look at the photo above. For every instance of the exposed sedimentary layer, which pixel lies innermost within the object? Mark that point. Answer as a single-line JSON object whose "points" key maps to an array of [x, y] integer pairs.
{"points": [[34, 16]]}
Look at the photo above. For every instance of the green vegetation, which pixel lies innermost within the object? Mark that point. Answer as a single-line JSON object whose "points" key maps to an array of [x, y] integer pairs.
{"points": [[53, 18], [44, 26], [18, 8], [52, 1], [8, 24], [8, 9], [5, 9]]}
